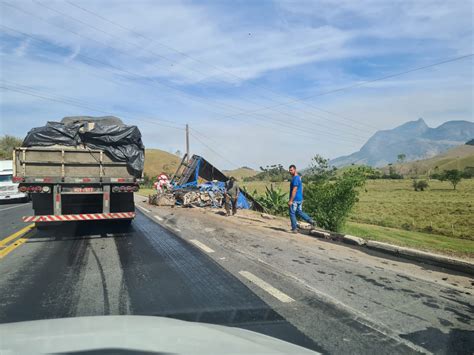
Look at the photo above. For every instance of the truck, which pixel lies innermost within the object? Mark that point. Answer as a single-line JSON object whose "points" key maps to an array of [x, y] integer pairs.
{"points": [[80, 169], [9, 189]]}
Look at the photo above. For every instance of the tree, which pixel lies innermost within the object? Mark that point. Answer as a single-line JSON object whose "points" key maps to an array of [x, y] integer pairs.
{"points": [[401, 158], [7, 144], [319, 169], [329, 202], [453, 176], [420, 185]]}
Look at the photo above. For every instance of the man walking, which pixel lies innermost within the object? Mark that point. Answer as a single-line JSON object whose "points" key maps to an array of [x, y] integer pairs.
{"points": [[231, 196], [296, 200]]}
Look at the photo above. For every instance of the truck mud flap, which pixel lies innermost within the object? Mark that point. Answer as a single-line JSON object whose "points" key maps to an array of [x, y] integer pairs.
{"points": [[79, 217]]}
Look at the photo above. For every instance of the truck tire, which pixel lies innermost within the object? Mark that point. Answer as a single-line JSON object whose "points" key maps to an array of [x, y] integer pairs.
{"points": [[41, 226]]}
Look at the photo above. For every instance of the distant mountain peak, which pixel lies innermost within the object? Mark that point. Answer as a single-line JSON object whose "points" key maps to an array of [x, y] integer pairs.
{"points": [[415, 139]]}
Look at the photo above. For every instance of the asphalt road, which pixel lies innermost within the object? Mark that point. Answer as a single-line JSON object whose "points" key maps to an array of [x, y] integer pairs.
{"points": [[157, 269]]}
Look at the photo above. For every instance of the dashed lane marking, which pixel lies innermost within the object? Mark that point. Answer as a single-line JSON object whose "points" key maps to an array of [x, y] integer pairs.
{"points": [[201, 246], [15, 235], [158, 218], [144, 209], [266, 287]]}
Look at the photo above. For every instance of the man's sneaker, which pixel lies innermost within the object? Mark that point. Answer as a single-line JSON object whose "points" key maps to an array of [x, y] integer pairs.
{"points": [[294, 231]]}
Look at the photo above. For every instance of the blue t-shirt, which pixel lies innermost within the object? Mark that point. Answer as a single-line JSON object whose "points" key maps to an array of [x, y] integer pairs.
{"points": [[296, 181]]}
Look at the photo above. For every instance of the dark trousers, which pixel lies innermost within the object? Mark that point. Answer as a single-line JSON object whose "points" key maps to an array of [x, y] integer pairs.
{"points": [[230, 204]]}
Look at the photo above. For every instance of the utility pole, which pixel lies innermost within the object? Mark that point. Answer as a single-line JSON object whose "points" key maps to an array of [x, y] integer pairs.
{"points": [[187, 143]]}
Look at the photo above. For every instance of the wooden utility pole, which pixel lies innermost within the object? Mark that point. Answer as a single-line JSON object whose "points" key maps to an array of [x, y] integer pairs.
{"points": [[187, 143]]}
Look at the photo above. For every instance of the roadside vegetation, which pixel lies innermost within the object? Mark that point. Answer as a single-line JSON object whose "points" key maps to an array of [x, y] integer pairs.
{"points": [[430, 212], [7, 144]]}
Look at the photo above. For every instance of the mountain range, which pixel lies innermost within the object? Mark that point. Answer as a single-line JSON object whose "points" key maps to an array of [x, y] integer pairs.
{"points": [[415, 139]]}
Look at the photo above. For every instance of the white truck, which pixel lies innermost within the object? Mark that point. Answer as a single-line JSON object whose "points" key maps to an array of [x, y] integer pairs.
{"points": [[9, 189]]}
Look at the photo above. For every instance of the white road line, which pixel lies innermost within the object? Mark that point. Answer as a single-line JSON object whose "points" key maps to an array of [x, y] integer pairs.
{"points": [[144, 209], [266, 287], [158, 218], [9, 208], [201, 246]]}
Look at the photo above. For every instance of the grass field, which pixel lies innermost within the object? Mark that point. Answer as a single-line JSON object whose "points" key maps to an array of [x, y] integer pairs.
{"points": [[439, 210], [417, 240], [439, 219]]}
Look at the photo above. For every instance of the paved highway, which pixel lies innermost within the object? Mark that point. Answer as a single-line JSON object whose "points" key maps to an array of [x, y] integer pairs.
{"points": [[172, 266]]}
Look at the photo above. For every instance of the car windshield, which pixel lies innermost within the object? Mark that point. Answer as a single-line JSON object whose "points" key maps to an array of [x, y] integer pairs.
{"points": [[299, 172], [6, 178]]}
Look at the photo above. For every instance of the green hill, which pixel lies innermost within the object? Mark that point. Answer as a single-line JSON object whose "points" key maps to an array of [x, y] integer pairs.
{"points": [[459, 158], [158, 161], [241, 173]]}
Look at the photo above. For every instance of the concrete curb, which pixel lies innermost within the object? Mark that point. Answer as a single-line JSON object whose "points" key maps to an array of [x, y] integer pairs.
{"points": [[403, 252]]}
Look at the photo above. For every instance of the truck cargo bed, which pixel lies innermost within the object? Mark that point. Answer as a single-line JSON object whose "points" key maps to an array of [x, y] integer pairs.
{"points": [[68, 165]]}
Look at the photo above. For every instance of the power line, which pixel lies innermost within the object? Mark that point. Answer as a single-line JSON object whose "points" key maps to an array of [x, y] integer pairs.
{"points": [[214, 141], [163, 57], [72, 103], [372, 81], [88, 58], [214, 151], [210, 64]]}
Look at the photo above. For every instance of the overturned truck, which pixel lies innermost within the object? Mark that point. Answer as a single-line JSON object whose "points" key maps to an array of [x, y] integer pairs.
{"points": [[187, 190], [79, 169]]}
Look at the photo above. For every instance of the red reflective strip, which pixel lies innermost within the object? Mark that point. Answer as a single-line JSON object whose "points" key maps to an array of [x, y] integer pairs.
{"points": [[58, 198], [106, 196], [86, 180]]}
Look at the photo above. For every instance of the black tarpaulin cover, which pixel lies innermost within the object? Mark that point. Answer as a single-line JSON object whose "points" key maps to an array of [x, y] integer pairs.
{"points": [[120, 142]]}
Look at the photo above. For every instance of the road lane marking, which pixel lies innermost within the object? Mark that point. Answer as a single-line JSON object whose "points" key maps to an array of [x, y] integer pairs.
{"points": [[9, 208], [201, 246], [11, 247], [158, 218], [144, 209], [266, 287], [15, 235]]}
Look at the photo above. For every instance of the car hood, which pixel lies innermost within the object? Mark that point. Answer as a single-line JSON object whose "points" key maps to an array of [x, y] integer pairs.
{"points": [[132, 334]]}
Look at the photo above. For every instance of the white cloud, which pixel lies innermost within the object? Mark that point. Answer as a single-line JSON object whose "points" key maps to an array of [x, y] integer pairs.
{"points": [[297, 48]]}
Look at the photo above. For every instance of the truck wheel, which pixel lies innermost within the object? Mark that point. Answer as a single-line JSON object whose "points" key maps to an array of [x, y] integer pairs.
{"points": [[41, 226], [125, 223]]}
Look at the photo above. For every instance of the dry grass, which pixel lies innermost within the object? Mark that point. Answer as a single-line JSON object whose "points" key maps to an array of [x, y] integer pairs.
{"points": [[240, 173], [158, 161], [439, 210]]}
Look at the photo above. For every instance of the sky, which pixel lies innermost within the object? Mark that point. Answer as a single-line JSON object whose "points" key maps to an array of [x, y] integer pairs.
{"points": [[258, 82]]}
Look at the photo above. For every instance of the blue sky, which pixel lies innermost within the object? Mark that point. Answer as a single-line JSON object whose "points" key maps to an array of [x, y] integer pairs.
{"points": [[234, 70]]}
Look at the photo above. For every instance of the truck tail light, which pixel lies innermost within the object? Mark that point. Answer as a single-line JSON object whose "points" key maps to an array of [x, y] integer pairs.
{"points": [[123, 188], [31, 188], [130, 188], [115, 189], [23, 188], [46, 189], [38, 188]]}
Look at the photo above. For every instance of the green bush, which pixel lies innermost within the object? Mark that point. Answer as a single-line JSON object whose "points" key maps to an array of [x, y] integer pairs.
{"points": [[7, 144], [330, 202], [420, 185], [275, 201], [272, 173]]}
